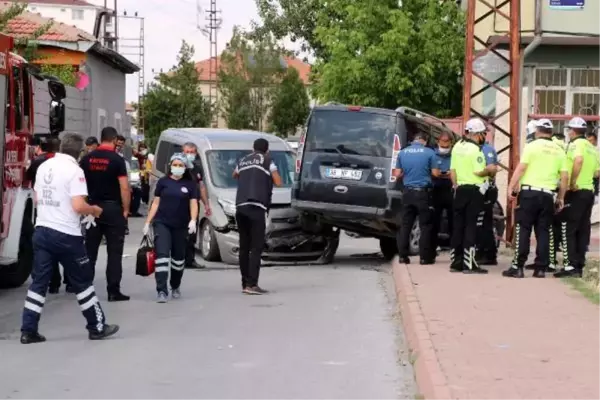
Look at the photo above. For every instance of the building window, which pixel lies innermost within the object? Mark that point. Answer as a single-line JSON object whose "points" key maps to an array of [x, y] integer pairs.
{"points": [[77, 14]]}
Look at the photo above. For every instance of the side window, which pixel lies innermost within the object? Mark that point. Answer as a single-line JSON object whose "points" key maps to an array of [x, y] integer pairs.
{"points": [[18, 106], [162, 156], [26, 99]]}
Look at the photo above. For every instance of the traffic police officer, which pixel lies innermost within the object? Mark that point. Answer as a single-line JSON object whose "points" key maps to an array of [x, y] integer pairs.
{"points": [[60, 192], [442, 185], [583, 167], [468, 173], [487, 251], [592, 137], [415, 166], [534, 185], [256, 175], [108, 187], [191, 152]]}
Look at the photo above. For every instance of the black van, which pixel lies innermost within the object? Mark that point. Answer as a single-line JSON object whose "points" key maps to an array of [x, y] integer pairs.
{"points": [[344, 165]]}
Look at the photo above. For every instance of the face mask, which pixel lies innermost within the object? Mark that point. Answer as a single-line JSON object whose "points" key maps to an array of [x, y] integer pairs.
{"points": [[444, 150], [144, 152], [191, 157], [177, 171]]}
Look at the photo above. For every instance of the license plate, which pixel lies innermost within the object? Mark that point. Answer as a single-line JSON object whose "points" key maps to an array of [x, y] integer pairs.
{"points": [[339, 173]]}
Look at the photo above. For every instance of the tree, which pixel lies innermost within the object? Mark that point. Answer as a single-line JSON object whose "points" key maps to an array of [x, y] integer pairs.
{"points": [[250, 70], [290, 105], [174, 99]]}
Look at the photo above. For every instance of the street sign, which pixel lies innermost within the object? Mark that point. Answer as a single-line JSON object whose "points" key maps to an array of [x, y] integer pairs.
{"points": [[567, 4]]}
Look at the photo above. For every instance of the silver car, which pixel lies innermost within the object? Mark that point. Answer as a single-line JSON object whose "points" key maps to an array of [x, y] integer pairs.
{"points": [[218, 240]]}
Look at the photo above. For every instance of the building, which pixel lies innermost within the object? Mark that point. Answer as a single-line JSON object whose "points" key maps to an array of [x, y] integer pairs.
{"points": [[561, 75], [102, 101], [203, 68]]}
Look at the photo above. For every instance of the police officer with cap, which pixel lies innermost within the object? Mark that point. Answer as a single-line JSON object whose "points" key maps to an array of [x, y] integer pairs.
{"points": [[60, 192], [256, 175], [108, 187], [487, 251], [415, 166], [469, 174], [582, 165], [535, 186]]}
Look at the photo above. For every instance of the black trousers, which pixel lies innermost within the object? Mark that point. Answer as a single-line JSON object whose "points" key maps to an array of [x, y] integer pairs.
{"points": [[576, 227], [169, 244], [468, 202], [486, 239], [535, 210], [111, 225], [251, 221], [443, 197], [416, 203]]}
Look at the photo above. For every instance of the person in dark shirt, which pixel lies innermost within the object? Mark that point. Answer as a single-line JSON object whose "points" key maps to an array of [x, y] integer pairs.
{"points": [[195, 166], [174, 215], [442, 186], [108, 187], [256, 174]]}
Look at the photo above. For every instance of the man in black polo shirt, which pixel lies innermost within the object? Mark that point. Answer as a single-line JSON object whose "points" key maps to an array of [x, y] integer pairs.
{"points": [[108, 187], [256, 175]]}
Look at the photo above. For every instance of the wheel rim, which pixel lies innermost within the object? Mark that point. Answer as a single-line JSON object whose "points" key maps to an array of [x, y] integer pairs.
{"points": [[415, 235], [206, 239]]}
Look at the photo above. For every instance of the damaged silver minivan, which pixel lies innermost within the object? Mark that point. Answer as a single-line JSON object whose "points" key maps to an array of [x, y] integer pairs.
{"points": [[218, 240]]}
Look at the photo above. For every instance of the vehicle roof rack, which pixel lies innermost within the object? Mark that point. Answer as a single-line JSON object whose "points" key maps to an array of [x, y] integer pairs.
{"points": [[420, 114]]}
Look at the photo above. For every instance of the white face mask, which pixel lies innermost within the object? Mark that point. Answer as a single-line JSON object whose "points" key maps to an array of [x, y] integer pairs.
{"points": [[191, 157], [177, 171], [144, 152], [443, 150]]}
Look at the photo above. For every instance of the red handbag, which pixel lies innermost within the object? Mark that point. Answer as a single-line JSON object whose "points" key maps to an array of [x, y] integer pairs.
{"points": [[146, 258]]}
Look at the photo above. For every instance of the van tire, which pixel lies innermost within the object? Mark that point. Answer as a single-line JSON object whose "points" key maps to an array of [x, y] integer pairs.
{"points": [[210, 252], [388, 247], [414, 238], [16, 274], [333, 242]]}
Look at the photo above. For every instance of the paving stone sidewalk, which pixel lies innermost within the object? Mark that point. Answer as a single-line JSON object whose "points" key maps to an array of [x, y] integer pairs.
{"points": [[489, 337]]}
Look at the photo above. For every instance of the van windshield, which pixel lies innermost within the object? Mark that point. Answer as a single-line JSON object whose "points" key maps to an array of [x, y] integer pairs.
{"points": [[350, 132], [221, 164]]}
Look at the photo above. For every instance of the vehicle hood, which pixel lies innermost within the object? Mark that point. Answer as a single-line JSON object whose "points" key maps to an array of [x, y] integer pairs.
{"points": [[281, 196]]}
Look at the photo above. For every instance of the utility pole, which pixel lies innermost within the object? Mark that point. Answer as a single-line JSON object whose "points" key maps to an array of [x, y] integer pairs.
{"points": [[508, 12], [137, 49], [116, 22], [210, 30]]}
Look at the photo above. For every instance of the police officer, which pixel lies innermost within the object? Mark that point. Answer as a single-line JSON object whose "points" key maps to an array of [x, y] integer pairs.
{"points": [[487, 251], [592, 137], [442, 185], [469, 180], [108, 187], [534, 185], [583, 167], [60, 196], [415, 166], [191, 152], [256, 175]]}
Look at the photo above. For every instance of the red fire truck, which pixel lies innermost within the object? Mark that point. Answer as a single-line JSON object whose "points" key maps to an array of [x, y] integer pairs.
{"points": [[16, 131]]}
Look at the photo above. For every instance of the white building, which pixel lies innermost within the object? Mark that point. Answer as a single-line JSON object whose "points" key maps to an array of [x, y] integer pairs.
{"points": [[79, 13]]}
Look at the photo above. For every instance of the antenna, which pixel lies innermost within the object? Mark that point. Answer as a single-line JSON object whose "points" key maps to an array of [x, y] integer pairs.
{"points": [[137, 49]]}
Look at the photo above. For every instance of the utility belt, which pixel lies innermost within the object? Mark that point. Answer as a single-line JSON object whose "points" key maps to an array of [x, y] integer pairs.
{"points": [[552, 193]]}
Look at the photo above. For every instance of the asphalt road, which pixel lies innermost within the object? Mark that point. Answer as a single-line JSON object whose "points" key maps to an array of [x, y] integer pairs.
{"points": [[323, 332]]}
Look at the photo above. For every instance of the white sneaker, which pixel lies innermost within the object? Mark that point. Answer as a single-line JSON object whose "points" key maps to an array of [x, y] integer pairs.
{"points": [[161, 298], [176, 293]]}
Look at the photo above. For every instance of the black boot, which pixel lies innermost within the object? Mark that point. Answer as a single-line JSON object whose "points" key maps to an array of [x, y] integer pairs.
{"points": [[539, 272], [471, 266], [31, 337], [117, 296], [108, 331], [513, 272], [569, 273], [456, 262], [404, 260], [195, 265]]}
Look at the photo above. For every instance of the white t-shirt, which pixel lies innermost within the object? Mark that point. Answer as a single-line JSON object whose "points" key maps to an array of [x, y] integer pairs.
{"points": [[57, 181]]}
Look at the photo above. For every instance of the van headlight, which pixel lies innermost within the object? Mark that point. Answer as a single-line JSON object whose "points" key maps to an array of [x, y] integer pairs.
{"points": [[228, 207]]}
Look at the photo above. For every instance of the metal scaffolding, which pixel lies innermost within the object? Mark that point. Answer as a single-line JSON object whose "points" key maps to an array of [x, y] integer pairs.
{"points": [[137, 49], [478, 11], [210, 30]]}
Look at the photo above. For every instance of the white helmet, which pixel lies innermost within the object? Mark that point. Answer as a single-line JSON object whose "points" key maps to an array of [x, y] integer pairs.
{"points": [[577, 123], [531, 127], [545, 123], [475, 125]]}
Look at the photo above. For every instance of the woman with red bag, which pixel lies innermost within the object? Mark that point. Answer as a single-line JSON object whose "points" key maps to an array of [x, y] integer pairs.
{"points": [[173, 215]]}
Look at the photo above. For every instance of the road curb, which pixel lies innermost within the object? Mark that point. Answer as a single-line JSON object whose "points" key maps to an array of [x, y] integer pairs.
{"points": [[430, 379]]}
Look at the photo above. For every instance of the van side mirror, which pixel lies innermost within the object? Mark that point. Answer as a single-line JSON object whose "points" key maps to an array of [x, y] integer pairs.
{"points": [[57, 117], [57, 90]]}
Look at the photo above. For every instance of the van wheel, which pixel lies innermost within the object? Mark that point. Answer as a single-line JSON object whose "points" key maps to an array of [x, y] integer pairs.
{"points": [[413, 239], [209, 249], [16, 274], [333, 242], [388, 247]]}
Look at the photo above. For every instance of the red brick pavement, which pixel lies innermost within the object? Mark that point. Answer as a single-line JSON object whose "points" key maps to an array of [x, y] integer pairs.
{"points": [[489, 337]]}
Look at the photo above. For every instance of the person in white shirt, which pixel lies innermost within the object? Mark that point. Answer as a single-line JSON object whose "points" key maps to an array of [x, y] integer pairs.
{"points": [[60, 192]]}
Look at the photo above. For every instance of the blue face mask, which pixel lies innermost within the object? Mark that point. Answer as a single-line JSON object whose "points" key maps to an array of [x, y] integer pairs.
{"points": [[177, 171]]}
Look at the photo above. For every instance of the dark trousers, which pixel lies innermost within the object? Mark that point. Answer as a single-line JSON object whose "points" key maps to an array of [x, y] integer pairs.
{"points": [[251, 221], [486, 239], [554, 241], [169, 245], [136, 200], [535, 210], [145, 191], [51, 247], [576, 227], [416, 204], [443, 197], [468, 202], [111, 225]]}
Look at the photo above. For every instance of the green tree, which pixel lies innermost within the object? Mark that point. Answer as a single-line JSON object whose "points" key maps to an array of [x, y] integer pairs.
{"points": [[290, 106], [250, 70], [174, 99]]}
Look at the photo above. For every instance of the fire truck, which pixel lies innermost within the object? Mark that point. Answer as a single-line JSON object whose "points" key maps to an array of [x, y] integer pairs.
{"points": [[17, 209]]}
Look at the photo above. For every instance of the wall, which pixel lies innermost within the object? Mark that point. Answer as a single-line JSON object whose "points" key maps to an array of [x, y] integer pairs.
{"points": [[64, 13]]}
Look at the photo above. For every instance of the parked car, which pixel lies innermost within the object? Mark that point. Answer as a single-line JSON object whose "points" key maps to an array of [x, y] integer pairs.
{"points": [[220, 150], [344, 170]]}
